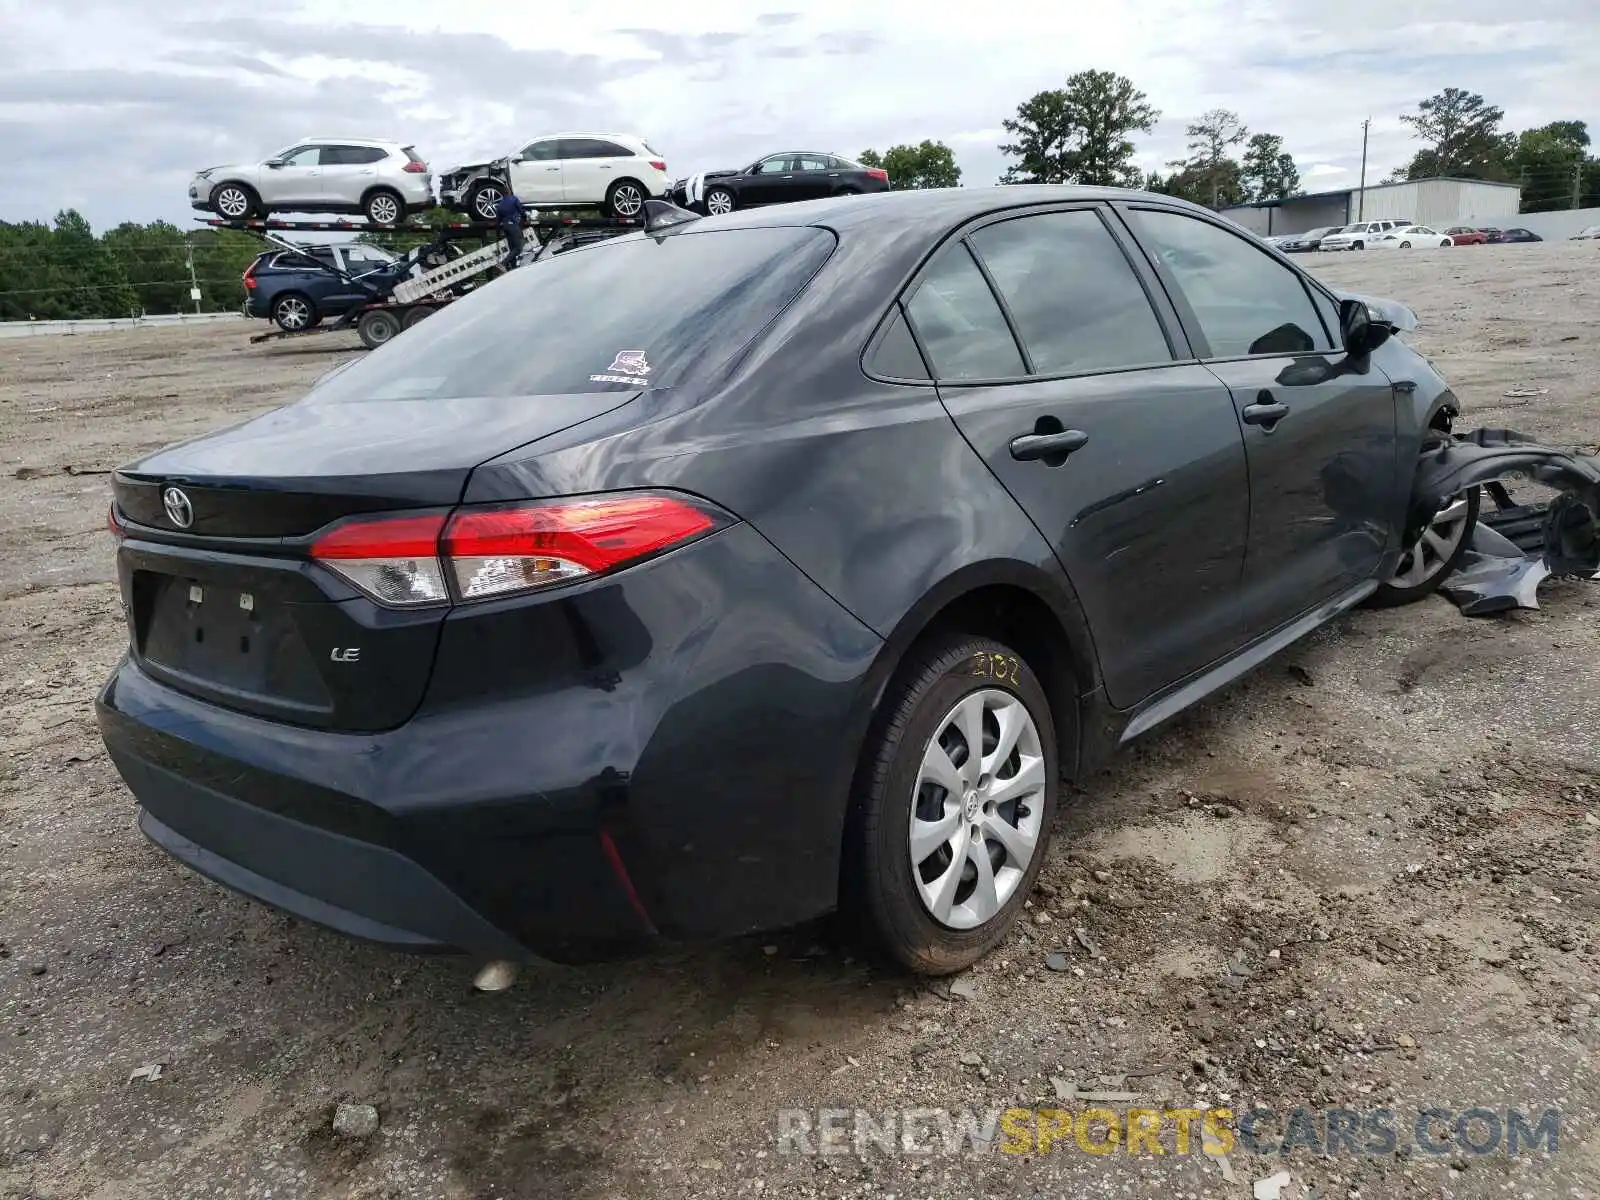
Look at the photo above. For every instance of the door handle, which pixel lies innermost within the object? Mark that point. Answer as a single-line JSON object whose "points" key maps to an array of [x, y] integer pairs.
{"points": [[552, 168], [1265, 412], [788, 176], [1033, 446]]}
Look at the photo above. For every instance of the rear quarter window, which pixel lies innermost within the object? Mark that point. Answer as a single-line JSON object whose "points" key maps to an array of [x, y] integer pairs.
{"points": [[630, 312]]}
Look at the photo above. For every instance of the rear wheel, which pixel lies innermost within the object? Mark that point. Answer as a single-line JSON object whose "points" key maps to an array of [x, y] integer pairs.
{"points": [[625, 198], [955, 797], [293, 313], [1424, 566], [376, 327], [1405, 245], [848, 191], [384, 207], [415, 316]]}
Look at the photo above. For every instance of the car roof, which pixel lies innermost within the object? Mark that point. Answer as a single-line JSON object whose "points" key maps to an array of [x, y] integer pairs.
{"points": [[590, 133], [941, 206], [351, 141]]}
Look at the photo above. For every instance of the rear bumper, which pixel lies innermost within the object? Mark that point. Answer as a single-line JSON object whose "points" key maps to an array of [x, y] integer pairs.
{"points": [[643, 757]]}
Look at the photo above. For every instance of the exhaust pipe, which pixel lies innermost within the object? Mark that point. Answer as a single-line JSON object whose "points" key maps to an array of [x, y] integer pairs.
{"points": [[495, 976]]}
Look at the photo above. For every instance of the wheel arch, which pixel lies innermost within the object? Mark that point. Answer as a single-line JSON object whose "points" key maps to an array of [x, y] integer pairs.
{"points": [[382, 187]]}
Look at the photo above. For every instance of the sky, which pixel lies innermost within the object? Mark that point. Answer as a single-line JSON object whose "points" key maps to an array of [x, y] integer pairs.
{"points": [[109, 107]]}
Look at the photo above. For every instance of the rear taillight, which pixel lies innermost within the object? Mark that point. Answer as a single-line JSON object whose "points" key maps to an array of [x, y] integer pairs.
{"points": [[490, 552], [395, 560], [250, 277], [413, 167], [113, 526], [879, 174], [659, 164]]}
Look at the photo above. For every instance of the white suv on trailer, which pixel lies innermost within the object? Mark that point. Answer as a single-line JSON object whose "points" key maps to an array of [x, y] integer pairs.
{"points": [[614, 171], [380, 180]]}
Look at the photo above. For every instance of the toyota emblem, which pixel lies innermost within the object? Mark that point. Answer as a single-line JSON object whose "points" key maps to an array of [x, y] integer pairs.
{"points": [[179, 511]]}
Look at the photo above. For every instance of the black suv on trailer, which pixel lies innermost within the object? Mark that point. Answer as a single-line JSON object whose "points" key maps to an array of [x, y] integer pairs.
{"points": [[703, 579]]}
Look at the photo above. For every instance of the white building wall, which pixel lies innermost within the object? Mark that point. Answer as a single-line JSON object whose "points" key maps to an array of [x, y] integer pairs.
{"points": [[1437, 202]]}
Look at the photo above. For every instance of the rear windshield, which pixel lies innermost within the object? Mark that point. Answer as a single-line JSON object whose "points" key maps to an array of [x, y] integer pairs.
{"points": [[631, 312]]}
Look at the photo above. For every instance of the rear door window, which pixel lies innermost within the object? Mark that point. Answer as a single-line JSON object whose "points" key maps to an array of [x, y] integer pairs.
{"points": [[1076, 302], [631, 311], [960, 323]]}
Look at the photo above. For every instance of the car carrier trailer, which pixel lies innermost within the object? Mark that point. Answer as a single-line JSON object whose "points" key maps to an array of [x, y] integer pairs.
{"points": [[402, 301]]}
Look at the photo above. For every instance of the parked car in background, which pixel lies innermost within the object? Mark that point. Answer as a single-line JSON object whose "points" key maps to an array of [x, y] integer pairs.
{"points": [[380, 180], [777, 179], [708, 578], [1358, 235], [1590, 233], [1303, 243], [1518, 234], [1466, 235], [296, 290], [614, 171], [1409, 237]]}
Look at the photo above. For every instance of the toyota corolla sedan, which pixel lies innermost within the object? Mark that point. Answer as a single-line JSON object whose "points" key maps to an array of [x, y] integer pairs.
{"points": [[712, 577]]}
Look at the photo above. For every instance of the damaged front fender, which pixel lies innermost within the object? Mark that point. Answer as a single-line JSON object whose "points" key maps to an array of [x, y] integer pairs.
{"points": [[1497, 575]]}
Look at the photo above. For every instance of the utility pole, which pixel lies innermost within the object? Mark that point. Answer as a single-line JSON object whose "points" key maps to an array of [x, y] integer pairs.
{"points": [[1361, 196], [194, 284], [1577, 184]]}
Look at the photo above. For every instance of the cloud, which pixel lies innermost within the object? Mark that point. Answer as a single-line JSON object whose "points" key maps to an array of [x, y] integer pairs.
{"points": [[108, 105]]}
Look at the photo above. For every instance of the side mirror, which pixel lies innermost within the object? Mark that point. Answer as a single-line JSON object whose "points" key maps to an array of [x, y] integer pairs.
{"points": [[274, 163], [1362, 335]]}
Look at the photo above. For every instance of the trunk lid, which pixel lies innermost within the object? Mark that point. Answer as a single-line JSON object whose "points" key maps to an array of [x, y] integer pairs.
{"points": [[231, 609]]}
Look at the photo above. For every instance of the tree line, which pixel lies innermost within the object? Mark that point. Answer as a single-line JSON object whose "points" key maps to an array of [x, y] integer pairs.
{"points": [[62, 271], [1080, 133], [1083, 133]]}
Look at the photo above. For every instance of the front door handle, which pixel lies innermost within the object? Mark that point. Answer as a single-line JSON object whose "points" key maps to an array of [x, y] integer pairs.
{"points": [[1031, 447], [1265, 412]]}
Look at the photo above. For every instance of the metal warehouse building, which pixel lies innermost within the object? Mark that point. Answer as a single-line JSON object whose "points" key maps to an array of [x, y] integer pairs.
{"points": [[1438, 202]]}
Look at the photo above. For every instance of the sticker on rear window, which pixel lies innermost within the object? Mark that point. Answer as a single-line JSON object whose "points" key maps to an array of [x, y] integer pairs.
{"points": [[629, 366]]}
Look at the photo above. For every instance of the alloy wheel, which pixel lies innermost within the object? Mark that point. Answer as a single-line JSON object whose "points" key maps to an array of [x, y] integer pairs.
{"points": [[383, 209], [484, 201], [293, 314], [233, 203], [719, 203], [627, 200], [977, 808], [1435, 547]]}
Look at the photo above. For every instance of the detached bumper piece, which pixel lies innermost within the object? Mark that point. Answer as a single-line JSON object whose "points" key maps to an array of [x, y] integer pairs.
{"points": [[1517, 547]]}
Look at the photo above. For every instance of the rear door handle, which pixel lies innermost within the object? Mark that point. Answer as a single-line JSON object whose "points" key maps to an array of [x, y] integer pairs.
{"points": [[1033, 446], [1265, 412]]}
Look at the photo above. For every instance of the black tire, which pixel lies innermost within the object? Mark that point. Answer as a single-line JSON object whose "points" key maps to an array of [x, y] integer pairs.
{"points": [[1405, 245], [415, 316], [376, 327], [235, 202], [295, 312], [1359, 246], [625, 198], [384, 207], [1392, 595], [485, 194], [724, 195], [881, 881], [847, 191]]}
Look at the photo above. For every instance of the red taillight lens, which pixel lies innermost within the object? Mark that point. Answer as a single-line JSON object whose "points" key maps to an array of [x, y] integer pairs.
{"points": [[496, 551], [250, 277], [415, 168], [112, 524], [878, 173], [659, 164], [393, 559], [489, 552]]}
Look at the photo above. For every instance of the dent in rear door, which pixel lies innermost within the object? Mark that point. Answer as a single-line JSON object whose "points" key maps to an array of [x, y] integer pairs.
{"points": [[1149, 515]]}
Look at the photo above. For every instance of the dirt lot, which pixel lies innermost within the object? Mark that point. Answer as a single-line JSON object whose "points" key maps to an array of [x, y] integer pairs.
{"points": [[1364, 878]]}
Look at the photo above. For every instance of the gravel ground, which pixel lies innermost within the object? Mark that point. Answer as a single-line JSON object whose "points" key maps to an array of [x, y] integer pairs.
{"points": [[1364, 879]]}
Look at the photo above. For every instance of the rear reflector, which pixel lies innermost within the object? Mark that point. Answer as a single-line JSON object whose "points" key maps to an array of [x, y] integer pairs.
{"points": [[488, 552]]}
